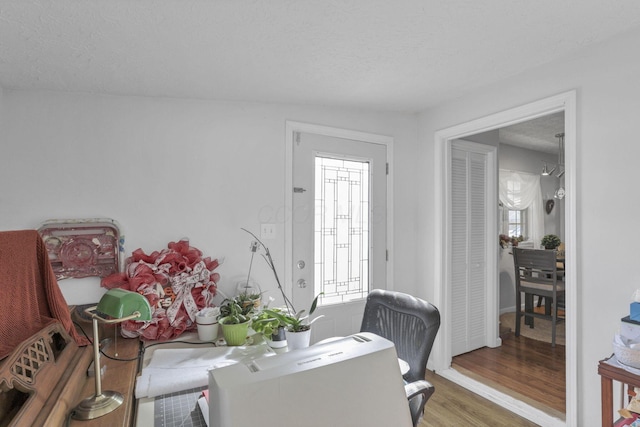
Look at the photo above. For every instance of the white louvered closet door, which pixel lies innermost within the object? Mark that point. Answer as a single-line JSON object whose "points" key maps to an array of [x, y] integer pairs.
{"points": [[468, 249]]}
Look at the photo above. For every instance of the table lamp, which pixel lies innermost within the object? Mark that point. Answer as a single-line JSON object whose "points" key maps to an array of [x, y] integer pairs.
{"points": [[118, 305]]}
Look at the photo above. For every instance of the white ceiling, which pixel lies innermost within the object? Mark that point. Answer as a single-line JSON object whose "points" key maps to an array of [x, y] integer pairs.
{"points": [[538, 134], [402, 55]]}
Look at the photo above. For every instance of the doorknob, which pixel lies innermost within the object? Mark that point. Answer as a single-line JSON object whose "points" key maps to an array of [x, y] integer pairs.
{"points": [[302, 283]]}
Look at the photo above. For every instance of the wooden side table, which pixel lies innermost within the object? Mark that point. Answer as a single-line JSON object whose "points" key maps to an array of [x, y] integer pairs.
{"points": [[608, 373]]}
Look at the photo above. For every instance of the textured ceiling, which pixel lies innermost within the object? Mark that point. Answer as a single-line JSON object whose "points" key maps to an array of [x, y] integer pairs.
{"points": [[537, 134], [403, 55]]}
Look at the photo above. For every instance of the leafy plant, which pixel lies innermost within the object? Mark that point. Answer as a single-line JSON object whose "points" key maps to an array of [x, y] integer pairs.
{"points": [[268, 321], [550, 241], [233, 312], [296, 322], [249, 299], [267, 257]]}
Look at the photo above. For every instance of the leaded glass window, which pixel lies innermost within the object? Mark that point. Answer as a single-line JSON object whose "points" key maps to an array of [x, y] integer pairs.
{"points": [[341, 229]]}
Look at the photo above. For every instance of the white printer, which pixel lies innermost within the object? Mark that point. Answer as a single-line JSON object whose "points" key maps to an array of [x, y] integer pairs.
{"points": [[351, 381]]}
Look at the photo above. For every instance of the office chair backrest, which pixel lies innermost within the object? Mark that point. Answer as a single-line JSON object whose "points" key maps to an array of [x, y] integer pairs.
{"points": [[409, 322]]}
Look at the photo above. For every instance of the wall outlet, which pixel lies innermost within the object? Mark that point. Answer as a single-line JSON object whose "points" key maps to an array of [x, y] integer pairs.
{"points": [[267, 231]]}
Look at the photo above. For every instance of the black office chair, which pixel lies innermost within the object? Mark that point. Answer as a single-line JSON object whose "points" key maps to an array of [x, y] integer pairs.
{"points": [[411, 324], [536, 273]]}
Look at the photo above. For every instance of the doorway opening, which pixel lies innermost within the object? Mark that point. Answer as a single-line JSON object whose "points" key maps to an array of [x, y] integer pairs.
{"points": [[531, 168], [442, 357]]}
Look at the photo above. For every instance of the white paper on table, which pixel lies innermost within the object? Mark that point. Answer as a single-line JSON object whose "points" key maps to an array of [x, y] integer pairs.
{"points": [[178, 369]]}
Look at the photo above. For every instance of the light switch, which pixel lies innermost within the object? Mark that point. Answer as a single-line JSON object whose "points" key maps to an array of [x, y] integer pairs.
{"points": [[267, 231]]}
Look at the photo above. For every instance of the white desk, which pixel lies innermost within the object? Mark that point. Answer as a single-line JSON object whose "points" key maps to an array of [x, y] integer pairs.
{"points": [[145, 415], [145, 410]]}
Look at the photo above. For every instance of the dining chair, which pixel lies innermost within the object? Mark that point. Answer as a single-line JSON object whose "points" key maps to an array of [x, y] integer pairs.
{"points": [[412, 325], [536, 274], [560, 251]]}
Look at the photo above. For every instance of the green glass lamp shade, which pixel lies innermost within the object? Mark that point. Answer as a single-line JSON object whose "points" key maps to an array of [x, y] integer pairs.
{"points": [[119, 303]]}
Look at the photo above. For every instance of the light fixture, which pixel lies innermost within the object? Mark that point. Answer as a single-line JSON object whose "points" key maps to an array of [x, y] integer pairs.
{"points": [[560, 165], [560, 137], [119, 305], [546, 171], [560, 192]]}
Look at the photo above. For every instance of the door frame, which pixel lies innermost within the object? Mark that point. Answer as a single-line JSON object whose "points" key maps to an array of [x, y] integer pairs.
{"points": [[441, 356], [291, 127]]}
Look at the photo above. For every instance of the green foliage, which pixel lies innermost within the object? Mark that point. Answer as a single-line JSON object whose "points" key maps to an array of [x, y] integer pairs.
{"points": [[232, 312], [297, 322], [267, 321], [249, 297], [550, 241]]}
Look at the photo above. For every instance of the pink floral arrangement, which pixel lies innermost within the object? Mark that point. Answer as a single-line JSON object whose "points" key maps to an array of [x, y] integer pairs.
{"points": [[505, 240], [177, 282]]}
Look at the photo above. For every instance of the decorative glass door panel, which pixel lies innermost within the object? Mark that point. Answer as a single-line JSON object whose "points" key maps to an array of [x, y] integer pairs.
{"points": [[341, 230]]}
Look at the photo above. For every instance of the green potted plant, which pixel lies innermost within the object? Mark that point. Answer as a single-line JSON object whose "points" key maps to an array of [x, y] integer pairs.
{"points": [[270, 322], [234, 320], [250, 299], [294, 323], [550, 241], [298, 325]]}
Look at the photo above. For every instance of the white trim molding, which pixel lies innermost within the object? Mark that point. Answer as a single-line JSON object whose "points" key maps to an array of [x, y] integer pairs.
{"points": [[441, 357]]}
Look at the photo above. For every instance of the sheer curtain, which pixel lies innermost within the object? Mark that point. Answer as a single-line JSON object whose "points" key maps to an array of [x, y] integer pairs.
{"points": [[520, 191]]}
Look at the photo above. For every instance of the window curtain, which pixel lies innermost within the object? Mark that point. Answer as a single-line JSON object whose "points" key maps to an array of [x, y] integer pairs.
{"points": [[520, 191]]}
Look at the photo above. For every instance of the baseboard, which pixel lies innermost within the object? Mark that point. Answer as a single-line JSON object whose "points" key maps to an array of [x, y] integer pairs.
{"points": [[504, 400], [507, 310]]}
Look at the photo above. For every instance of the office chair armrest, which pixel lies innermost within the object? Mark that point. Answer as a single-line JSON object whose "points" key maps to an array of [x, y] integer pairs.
{"points": [[415, 388]]}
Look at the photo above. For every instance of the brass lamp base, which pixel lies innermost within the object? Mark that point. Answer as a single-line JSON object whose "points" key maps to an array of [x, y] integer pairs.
{"points": [[97, 406]]}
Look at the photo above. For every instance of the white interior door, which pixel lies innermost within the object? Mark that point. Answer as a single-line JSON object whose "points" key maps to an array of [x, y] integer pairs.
{"points": [[339, 228], [470, 319]]}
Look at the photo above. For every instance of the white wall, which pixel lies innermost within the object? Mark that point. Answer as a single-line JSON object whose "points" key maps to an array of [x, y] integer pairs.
{"points": [[1, 112], [608, 101], [168, 168]]}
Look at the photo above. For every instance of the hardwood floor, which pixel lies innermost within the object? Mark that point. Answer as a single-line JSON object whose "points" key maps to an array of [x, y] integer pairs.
{"points": [[529, 370], [453, 406]]}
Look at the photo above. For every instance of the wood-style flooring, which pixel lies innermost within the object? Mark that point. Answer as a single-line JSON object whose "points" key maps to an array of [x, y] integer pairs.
{"points": [[529, 370], [455, 406]]}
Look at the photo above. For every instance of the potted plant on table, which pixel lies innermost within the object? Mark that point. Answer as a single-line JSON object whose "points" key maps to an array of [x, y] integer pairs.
{"points": [[234, 319], [250, 299], [270, 323], [295, 323], [550, 241], [298, 325]]}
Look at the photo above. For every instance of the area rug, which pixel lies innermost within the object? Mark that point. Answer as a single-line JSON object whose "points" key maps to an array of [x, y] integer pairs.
{"points": [[540, 332]]}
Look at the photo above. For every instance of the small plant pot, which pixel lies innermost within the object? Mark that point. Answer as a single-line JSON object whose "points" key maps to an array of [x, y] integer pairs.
{"points": [[296, 340], [278, 339], [207, 328], [235, 334]]}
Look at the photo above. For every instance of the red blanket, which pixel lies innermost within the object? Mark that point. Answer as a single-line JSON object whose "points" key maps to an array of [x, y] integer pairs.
{"points": [[30, 297]]}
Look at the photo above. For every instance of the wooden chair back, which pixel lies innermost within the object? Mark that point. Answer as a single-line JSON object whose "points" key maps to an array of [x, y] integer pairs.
{"points": [[536, 273]]}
